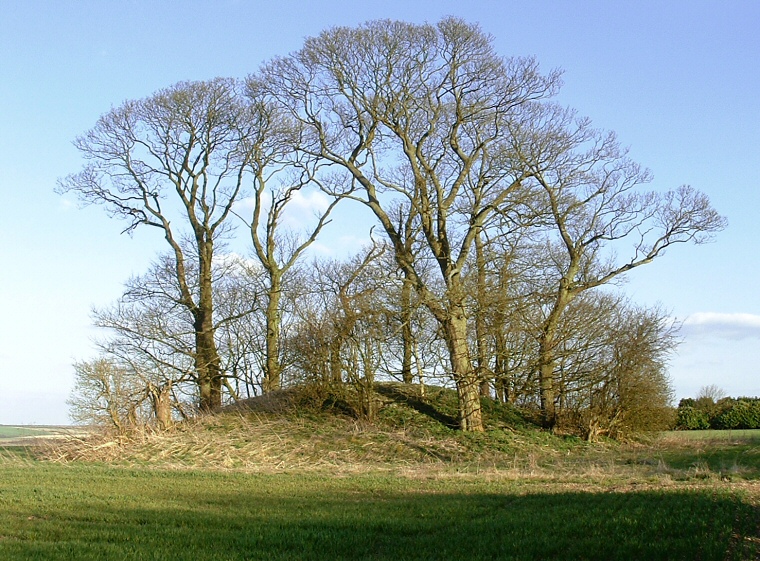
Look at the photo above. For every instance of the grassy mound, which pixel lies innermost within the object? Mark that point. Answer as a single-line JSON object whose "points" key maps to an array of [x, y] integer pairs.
{"points": [[311, 428]]}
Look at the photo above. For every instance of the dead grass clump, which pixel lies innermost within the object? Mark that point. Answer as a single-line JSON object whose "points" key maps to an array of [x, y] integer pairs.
{"points": [[257, 441]]}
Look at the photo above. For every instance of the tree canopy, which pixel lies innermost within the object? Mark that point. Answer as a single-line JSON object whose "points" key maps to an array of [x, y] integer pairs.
{"points": [[502, 216]]}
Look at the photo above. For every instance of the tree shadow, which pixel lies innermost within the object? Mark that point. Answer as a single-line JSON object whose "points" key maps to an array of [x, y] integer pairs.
{"points": [[397, 395], [327, 521]]}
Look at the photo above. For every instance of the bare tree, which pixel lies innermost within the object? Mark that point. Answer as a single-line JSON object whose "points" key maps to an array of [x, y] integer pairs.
{"points": [[344, 326], [711, 392], [593, 202], [175, 161], [417, 113], [278, 174], [240, 295], [105, 394], [625, 388]]}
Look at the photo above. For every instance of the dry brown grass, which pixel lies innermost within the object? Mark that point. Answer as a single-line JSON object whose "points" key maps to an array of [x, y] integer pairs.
{"points": [[258, 441]]}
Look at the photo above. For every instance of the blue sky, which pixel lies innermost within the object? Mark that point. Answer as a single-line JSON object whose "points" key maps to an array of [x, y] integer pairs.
{"points": [[678, 81]]}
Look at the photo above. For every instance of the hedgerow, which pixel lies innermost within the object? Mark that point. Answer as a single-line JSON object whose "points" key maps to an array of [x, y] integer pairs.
{"points": [[727, 413]]}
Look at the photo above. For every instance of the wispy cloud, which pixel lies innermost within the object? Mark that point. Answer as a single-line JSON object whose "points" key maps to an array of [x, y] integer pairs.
{"points": [[302, 210], [309, 203], [724, 326], [234, 261], [66, 205], [339, 246]]}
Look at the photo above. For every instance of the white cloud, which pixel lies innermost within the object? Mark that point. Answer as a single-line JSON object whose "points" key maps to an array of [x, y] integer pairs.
{"points": [[339, 246], [302, 208], [66, 205], [244, 207], [724, 326], [308, 203], [232, 260]]}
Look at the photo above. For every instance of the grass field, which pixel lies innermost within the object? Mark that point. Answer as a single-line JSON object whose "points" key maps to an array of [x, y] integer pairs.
{"points": [[319, 485], [50, 511], [715, 435], [729, 454], [7, 431], [19, 433]]}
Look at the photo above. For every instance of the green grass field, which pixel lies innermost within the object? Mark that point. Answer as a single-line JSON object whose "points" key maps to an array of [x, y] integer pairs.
{"points": [[7, 431], [50, 511], [317, 485], [716, 435], [729, 454]]}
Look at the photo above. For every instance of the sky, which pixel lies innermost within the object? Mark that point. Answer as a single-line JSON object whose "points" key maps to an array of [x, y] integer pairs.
{"points": [[678, 82]]}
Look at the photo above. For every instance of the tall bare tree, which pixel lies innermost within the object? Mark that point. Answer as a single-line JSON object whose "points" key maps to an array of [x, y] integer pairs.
{"points": [[279, 173], [417, 113], [596, 210], [175, 161]]}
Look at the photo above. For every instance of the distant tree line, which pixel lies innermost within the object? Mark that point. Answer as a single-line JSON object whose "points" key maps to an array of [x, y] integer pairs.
{"points": [[711, 409], [502, 221]]}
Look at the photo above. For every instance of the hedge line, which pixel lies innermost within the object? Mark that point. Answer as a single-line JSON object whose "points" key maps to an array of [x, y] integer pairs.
{"points": [[728, 413]]}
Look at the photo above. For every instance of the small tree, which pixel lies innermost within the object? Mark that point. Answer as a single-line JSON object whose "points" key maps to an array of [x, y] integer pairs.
{"points": [[711, 393], [637, 391], [106, 394], [341, 338]]}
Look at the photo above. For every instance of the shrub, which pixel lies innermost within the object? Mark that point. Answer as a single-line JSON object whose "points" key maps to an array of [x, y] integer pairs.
{"points": [[691, 418], [741, 413]]}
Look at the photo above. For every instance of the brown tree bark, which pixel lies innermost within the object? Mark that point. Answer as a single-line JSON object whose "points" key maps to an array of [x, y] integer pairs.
{"points": [[273, 368], [161, 401], [407, 335], [465, 378]]}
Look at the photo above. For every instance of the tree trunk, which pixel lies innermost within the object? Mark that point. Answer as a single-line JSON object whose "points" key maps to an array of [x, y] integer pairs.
{"points": [[208, 371], [546, 357], [480, 319], [502, 383], [273, 368], [207, 363], [336, 367], [466, 380], [546, 386], [366, 393], [162, 406], [406, 332]]}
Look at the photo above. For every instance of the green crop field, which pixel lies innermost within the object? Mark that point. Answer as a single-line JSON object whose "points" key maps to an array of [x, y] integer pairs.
{"points": [[7, 431], [715, 435], [83, 512], [318, 485], [728, 453], [19, 435]]}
